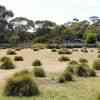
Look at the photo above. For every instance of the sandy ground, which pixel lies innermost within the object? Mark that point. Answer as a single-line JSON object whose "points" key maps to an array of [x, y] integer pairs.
{"points": [[49, 60]]}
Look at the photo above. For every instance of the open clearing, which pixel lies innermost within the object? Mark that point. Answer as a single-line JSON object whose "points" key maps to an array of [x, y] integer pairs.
{"points": [[80, 89]]}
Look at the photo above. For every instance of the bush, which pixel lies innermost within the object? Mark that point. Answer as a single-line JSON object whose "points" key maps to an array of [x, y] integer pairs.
{"points": [[84, 50], [64, 58], [73, 62], [83, 60], [61, 79], [35, 49], [18, 58], [96, 64], [11, 52], [18, 49], [7, 64], [65, 51], [82, 70], [68, 76], [90, 38], [53, 50], [39, 72], [70, 68], [37, 63], [21, 73], [3, 59], [21, 85], [92, 72]]}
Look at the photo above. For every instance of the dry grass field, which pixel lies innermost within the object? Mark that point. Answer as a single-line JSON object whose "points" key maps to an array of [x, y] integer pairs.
{"points": [[82, 89], [49, 60]]}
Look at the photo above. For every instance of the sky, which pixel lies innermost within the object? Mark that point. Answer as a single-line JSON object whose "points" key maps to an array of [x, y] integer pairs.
{"points": [[59, 11]]}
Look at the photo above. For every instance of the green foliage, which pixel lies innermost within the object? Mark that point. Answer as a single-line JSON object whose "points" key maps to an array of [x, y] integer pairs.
{"points": [[11, 52], [68, 75], [21, 84], [64, 58], [7, 64], [90, 38], [83, 70], [37, 63], [39, 72], [96, 64], [92, 73]]}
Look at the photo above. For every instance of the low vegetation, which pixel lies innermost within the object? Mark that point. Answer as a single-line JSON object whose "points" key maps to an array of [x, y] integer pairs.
{"points": [[39, 72], [7, 64], [96, 64], [73, 62], [84, 50], [65, 51], [37, 63], [21, 84], [83, 60], [83, 70], [3, 59], [65, 76], [11, 52], [64, 58], [18, 58]]}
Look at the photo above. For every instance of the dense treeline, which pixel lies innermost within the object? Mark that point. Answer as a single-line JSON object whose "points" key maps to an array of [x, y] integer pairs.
{"points": [[18, 30]]}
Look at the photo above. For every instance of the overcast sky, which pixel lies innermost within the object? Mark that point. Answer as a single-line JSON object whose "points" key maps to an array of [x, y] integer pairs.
{"points": [[59, 11]]}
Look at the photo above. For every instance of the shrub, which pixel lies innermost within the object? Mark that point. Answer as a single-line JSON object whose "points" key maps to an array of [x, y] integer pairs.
{"points": [[18, 58], [83, 60], [53, 50], [65, 51], [68, 76], [18, 49], [21, 73], [90, 38], [64, 58], [39, 72], [73, 62], [96, 64], [84, 50], [3, 59], [7, 64], [21, 85], [35, 49], [61, 79], [92, 72], [37, 63], [83, 70], [11, 52], [70, 69]]}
